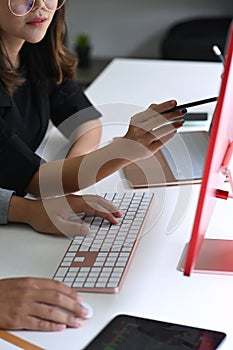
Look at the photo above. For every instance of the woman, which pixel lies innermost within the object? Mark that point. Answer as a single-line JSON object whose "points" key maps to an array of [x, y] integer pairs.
{"points": [[36, 84]]}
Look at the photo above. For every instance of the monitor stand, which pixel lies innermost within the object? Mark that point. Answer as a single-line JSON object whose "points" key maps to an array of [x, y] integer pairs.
{"points": [[215, 256]]}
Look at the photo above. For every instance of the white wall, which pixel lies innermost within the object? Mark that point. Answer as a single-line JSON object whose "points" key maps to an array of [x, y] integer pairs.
{"points": [[134, 27]]}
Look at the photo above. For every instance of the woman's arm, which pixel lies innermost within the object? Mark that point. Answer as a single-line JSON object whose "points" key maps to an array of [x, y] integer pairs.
{"points": [[85, 139], [146, 134]]}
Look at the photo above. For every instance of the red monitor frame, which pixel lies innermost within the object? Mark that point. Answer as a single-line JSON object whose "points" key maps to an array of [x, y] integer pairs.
{"points": [[207, 255]]}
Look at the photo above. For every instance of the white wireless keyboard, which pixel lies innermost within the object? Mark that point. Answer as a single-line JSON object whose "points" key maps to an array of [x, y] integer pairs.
{"points": [[99, 261]]}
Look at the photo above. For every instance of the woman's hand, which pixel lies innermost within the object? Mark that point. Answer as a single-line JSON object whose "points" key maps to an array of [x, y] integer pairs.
{"points": [[61, 214], [150, 130], [39, 304]]}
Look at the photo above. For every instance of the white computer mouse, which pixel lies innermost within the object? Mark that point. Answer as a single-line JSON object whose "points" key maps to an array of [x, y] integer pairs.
{"points": [[84, 304], [89, 308]]}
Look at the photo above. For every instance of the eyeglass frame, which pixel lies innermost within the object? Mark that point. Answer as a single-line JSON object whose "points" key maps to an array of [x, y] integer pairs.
{"points": [[33, 4]]}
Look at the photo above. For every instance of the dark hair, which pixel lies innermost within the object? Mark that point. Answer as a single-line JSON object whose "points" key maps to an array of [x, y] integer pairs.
{"points": [[48, 59]]}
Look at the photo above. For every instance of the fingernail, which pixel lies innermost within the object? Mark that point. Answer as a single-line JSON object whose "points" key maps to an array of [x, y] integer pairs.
{"points": [[79, 298], [77, 322], [61, 327], [172, 102], [180, 123], [183, 110], [85, 230], [84, 313]]}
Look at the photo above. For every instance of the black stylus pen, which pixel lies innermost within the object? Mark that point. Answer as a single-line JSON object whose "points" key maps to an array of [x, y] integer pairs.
{"points": [[192, 104]]}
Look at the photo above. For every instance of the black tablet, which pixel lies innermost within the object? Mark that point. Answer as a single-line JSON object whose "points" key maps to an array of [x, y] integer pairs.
{"points": [[128, 332]]}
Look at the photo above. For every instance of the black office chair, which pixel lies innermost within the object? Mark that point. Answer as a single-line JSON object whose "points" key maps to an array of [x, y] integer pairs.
{"points": [[193, 39]]}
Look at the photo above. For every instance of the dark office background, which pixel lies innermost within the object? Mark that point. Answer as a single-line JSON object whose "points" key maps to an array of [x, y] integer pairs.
{"points": [[135, 28]]}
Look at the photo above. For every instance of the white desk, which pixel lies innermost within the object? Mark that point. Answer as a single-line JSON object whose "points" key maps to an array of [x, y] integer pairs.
{"points": [[132, 85], [153, 287]]}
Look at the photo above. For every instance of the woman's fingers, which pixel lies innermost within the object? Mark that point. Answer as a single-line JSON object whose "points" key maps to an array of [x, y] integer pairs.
{"points": [[154, 109], [37, 324], [155, 146], [152, 118], [45, 317], [58, 307], [39, 304], [159, 137], [97, 205], [157, 134], [71, 228], [102, 207], [94, 205], [164, 106]]}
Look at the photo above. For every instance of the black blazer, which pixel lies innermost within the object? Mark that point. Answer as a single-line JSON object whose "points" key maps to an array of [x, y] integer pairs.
{"points": [[24, 120]]}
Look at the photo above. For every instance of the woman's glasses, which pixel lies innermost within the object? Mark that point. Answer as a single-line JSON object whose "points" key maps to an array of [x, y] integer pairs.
{"points": [[23, 7]]}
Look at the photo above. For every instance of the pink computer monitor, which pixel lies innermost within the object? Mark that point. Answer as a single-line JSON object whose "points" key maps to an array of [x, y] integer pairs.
{"points": [[214, 255]]}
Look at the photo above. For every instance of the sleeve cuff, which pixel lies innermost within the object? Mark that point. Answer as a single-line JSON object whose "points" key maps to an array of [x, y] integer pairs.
{"points": [[5, 197]]}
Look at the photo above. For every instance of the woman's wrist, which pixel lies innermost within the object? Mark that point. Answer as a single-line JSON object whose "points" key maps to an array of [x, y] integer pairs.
{"points": [[129, 150], [19, 210]]}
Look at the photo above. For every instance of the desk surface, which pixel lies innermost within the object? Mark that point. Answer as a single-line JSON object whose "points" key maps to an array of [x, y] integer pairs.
{"points": [[153, 287]]}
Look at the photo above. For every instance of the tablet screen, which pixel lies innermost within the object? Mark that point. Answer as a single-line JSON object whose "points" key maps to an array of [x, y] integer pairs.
{"points": [[128, 332]]}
